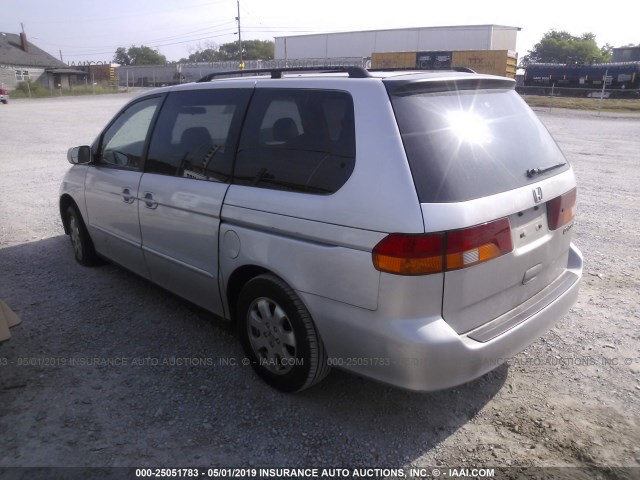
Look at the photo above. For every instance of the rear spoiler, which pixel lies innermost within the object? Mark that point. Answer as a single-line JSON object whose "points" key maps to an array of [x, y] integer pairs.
{"points": [[399, 86]]}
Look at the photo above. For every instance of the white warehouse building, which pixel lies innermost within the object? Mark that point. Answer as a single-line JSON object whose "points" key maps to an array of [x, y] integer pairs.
{"points": [[364, 43]]}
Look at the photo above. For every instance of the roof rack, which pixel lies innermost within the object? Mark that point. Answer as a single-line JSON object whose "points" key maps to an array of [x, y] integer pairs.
{"points": [[354, 72]]}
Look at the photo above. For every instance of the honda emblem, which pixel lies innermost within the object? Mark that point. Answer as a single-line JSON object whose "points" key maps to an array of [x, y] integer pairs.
{"points": [[537, 194]]}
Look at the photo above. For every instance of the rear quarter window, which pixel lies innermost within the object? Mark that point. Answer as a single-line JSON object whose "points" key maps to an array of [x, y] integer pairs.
{"points": [[468, 144], [297, 140]]}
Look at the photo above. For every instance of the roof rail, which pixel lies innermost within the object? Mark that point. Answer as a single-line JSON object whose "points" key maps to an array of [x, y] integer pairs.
{"points": [[354, 72]]}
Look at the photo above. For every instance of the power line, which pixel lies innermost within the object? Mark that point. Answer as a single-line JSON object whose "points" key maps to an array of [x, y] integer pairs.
{"points": [[200, 31], [81, 54], [213, 28]]}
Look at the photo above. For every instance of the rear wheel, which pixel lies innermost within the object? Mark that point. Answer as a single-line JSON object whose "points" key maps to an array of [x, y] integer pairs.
{"points": [[83, 249], [278, 335]]}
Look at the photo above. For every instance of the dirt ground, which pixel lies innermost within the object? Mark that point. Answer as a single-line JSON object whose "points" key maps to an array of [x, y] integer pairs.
{"points": [[108, 370]]}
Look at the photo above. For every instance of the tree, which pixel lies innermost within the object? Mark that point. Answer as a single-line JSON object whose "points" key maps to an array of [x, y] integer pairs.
{"points": [[121, 57], [139, 56], [251, 50], [606, 52], [206, 55], [562, 47]]}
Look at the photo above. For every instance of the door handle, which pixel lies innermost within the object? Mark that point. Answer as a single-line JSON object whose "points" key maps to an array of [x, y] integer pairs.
{"points": [[126, 195], [150, 200]]}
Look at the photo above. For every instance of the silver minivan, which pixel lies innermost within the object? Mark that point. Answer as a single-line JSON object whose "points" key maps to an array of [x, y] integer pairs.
{"points": [[411, 227]]}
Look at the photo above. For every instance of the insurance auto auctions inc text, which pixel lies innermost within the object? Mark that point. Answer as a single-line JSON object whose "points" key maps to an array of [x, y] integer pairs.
{"points": [[367, 473]]}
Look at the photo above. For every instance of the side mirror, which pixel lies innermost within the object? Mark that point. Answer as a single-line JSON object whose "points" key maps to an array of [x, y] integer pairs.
{"points": [[79, 155]]}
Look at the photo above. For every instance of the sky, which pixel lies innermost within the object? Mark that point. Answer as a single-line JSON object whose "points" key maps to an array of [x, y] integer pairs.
{"points": [[90, 31]]}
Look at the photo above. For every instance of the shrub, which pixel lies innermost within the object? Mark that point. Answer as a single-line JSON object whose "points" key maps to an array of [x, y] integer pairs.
{"points": [[35, 87]]}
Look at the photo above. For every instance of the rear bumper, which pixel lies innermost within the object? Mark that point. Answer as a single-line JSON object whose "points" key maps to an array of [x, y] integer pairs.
{"points": [[427, 354]]}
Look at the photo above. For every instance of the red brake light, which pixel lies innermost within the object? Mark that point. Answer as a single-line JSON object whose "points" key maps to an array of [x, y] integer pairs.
{"points": [[438, 252], [409, 254], [561, 210]]}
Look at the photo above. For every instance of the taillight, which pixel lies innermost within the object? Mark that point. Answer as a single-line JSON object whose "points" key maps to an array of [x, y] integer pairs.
{"points": [[438, 252], [409, 254], [470, 246], [561, 210]]}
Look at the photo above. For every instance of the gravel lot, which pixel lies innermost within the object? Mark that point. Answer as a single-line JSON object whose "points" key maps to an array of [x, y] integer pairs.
{"points": [[570, 400]]}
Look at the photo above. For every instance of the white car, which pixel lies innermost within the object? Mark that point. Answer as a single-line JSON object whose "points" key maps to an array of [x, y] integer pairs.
{"points": [[411, 227]]}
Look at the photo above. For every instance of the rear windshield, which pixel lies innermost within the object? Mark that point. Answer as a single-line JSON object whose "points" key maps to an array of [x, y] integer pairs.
{"points": [[468, 144]]}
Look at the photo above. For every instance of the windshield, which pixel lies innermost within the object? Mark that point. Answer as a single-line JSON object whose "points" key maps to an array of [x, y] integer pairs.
{"points": [[468, 144]]}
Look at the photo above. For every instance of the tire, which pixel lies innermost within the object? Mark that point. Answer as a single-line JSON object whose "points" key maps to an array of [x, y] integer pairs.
{"points": [[83, 249], [278, 335]]}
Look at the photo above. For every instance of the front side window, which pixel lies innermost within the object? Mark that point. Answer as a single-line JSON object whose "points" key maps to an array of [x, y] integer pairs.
{"points": [[123, 142], [196, 134], [297, 140]]}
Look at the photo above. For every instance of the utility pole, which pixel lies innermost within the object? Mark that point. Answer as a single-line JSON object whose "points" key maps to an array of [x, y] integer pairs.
{"points": [[241, 66], [604, 86], [61, 56]]}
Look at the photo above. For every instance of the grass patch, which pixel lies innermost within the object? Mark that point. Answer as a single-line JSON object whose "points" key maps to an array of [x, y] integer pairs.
{"points": [[38, 91], [608, 105]]}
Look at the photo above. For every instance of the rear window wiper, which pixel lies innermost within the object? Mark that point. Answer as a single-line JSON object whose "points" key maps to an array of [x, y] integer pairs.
{"points": [[539, 171]]}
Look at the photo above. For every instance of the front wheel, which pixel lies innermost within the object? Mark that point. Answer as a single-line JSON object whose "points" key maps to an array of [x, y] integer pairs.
{"points": [[83, 249], [278, 335]]}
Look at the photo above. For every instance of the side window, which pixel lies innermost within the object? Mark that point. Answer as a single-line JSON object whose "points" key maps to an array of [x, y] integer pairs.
{"points": [[123, 142], [281, 122], [196, 134], [297, 140]]}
